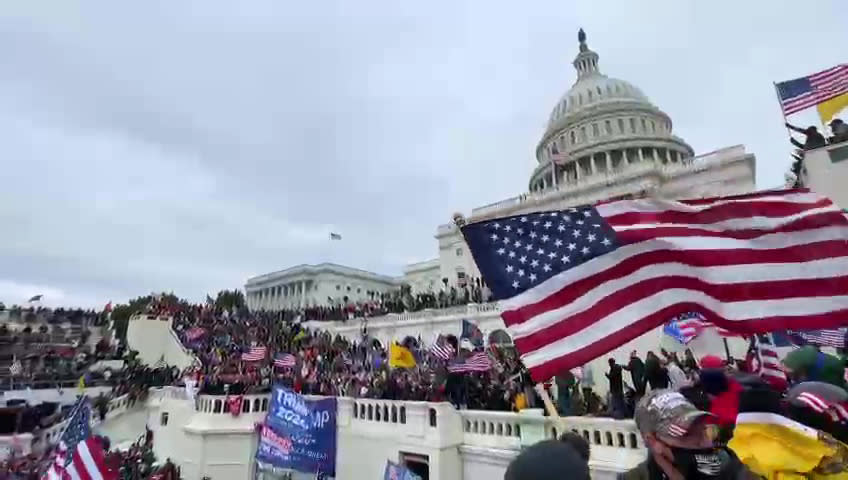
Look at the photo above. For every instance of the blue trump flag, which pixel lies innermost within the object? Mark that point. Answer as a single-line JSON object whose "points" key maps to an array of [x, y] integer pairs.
{"points": [[299, 434]]}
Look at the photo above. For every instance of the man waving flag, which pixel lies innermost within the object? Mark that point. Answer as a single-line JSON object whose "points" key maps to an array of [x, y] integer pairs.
{"points": [[580, 282], [79, 455]]}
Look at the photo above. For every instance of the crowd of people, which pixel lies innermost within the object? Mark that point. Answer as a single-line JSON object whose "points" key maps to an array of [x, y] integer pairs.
{"points": [[713, 418], [814, 139], [396, 301], [321, 364]]}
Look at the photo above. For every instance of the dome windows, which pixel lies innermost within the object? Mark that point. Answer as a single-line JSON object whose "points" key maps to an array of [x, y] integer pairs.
{"points": [[595, 131], [632, 125], [607, 127], [621, 125]]}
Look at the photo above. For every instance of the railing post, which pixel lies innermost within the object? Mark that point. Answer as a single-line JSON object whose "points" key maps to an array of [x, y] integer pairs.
{"points": [[532, 426]]}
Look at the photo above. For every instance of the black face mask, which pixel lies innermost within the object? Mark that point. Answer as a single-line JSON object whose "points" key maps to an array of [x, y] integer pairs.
{"points": [[700, 463]]}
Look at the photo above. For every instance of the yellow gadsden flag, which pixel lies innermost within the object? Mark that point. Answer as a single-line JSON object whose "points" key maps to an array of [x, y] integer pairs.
{"points": [[400, 357], [830, 108], [81, 384], [778, 448]]}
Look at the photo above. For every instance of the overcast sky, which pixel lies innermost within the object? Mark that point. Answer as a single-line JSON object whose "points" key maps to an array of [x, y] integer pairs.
{"points": [[185, 146]]}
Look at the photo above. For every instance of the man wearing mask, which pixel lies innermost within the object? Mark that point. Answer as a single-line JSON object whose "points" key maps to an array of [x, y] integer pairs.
{"points": [[679, 440]]}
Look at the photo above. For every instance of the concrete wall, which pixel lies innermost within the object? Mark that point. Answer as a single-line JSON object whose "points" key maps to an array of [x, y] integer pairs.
{"points": [[155, 341], [204, 439], [826, 172]]}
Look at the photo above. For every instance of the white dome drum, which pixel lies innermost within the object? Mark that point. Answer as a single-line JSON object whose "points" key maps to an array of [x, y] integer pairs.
{"points": [[600, 126]]}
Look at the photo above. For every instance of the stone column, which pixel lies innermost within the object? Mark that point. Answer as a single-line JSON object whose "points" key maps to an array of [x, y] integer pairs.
{"points": [[577, 174], [608, 158], [639, 153], [655, 155]]}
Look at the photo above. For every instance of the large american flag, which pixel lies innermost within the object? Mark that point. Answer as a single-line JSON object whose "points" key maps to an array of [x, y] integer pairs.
{"points": [[800, 93], [580, 282], [476, 362], [255, 354], [79, 455]]}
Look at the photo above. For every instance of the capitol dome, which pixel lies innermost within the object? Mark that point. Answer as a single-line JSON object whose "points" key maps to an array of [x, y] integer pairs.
{"points": [[601, 125]]}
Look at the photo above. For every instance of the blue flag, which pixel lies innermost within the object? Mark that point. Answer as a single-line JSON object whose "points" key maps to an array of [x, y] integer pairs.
{"points": [[472, 333], [299, 434]]}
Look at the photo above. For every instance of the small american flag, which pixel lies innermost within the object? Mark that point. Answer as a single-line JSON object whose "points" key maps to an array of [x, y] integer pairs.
{"points": [[828, 338], [765, 362], [442, 349], [286, 360], [195, 333], [577, 283], [800, 93], [477, 362], [79, 455], [688, 326], [16, 368], [255, 354]]}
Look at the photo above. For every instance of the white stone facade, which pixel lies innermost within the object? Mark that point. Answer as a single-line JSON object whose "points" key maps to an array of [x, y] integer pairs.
{"points": [[826, 172], [313, 285], [423, 276]]}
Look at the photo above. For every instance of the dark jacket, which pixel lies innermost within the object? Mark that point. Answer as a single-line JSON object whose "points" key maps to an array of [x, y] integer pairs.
{"points": [[649, 470]]}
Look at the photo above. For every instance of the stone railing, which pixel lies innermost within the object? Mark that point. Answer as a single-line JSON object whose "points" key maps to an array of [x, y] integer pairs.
{"points": [[217, 404], [492, 429]]}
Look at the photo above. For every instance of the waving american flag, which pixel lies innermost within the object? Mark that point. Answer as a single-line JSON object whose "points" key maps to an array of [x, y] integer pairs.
{"points": [[577, 283], [79, 455], [255, 354]]}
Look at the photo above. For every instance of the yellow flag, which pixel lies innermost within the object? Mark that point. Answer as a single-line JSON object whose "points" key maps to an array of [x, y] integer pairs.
{"points": [[81, 384], [830, 108], [776, 447], [400, 357]]}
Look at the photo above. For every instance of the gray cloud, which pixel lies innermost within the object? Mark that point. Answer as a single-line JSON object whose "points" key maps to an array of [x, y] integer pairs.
{"points": [[187, 146]]}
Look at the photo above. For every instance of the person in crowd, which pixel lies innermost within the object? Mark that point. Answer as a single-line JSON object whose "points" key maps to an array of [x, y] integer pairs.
{"points": [[680, 443], [616, 390], [637, 373], [587, 382], [723, 393], [810, 364], [814, 139], [578, 443], [839, 129], [566, 384], [690, 365], [676, 376], [548, 460], [655, 373]]}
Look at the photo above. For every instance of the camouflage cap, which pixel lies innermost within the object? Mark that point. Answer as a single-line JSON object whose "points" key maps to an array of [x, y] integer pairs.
{"points": [[666, 412]]}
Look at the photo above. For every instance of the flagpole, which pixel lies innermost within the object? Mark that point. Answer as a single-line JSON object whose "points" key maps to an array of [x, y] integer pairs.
{"points": [[782, 112]]}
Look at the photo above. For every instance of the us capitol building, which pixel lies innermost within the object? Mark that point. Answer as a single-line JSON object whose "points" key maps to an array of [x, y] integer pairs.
{"points": [[604, 140]]}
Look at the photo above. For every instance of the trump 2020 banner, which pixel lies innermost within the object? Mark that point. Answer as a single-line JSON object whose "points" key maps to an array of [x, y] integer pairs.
{"points": [[299, 434]]}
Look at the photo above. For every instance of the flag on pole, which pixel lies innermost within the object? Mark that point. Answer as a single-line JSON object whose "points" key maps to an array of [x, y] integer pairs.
{"points": [[764, 361], [255, 354], [79, 455], [335, 236], [477, 362], [829, 109], [804, 92], [686, 327], [835, 337], [16, 368], [442, 349], [577, 283], [286, 360], [35, 298], [81, 384], [472, 333]]}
